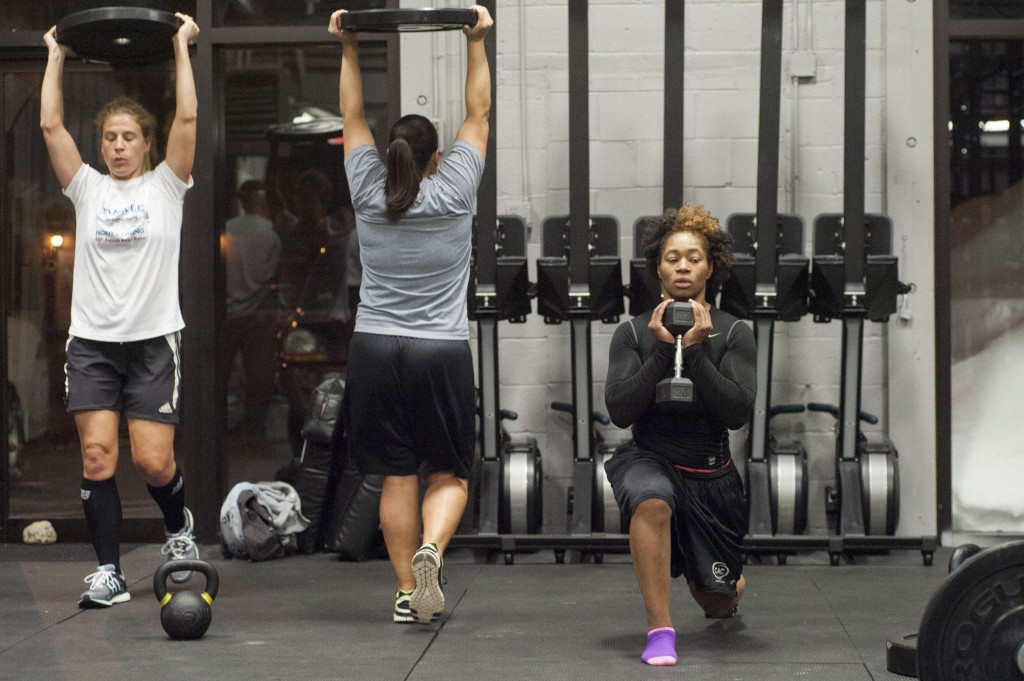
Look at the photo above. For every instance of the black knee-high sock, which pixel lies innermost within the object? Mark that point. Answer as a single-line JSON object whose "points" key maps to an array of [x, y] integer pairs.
{"points": [[102, 506], [171, 500]]}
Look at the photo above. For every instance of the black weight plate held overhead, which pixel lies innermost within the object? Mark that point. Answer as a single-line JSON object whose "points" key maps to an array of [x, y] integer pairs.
{"points": [[119, 34], [973, 627], [402, 20]]}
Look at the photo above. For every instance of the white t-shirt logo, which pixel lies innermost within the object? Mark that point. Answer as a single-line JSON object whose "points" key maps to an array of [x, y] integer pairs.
{"points": [[121, 225], [125, 285]]}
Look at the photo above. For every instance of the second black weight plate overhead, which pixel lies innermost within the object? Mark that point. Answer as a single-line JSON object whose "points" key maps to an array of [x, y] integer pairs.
{"points": [[402, 20], [119, 35]]}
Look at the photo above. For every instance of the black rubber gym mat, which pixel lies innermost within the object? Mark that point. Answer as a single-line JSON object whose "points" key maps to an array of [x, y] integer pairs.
{"points": [[313, 617]]}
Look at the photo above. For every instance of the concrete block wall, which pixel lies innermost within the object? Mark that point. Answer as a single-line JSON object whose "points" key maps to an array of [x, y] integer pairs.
{"points": [[722, 71]]}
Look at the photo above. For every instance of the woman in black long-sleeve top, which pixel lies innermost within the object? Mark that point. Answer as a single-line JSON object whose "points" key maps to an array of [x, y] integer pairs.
{"points": [[675, 477]]}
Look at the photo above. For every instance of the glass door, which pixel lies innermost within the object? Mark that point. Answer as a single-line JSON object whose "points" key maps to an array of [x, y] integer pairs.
{"points": [[986, 254], [290, 254]]}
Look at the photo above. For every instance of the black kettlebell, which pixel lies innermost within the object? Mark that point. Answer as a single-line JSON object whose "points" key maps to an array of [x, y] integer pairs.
{"points": [[185, 615]]}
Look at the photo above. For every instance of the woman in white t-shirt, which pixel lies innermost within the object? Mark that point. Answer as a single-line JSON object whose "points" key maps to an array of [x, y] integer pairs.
{"points": [[124, 341]]}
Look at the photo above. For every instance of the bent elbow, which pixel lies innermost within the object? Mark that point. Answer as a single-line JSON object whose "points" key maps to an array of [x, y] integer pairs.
{"points": [[189, 117], [622, 418], [480, 115], [49, 126], [740, 417], [736, 424]]}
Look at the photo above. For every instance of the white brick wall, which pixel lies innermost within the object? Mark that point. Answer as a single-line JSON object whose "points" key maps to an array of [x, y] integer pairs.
{"points": [[722, 65]]}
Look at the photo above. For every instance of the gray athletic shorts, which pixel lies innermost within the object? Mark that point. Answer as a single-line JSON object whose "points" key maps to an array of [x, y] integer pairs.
{"points": [[410, 405], [142, 378]]}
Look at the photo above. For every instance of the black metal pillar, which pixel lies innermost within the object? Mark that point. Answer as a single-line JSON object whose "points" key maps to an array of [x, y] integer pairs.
{"points": [[201, 434], [486, 313], [854, 263], [758, 474], [672, 173], [579, 265], [6, 163], [765, 259]]}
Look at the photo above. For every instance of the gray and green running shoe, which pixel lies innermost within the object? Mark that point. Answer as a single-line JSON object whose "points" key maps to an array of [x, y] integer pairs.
{"points": [[106, 587]]}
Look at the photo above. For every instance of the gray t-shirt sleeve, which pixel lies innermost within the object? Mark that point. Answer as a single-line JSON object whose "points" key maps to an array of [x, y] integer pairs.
{"points": [[459, 175], [366, 174]]}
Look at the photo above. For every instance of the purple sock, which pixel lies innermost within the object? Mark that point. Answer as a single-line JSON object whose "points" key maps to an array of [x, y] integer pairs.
{"points": [[661, 647]]}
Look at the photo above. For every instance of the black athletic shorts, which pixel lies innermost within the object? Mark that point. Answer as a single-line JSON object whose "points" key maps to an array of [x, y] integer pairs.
{"points": [[142, 378], [410, 405], [709, 513]]}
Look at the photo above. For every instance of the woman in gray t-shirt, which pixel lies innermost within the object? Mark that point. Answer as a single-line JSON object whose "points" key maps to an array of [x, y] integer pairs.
{"points": [[410, 396]]}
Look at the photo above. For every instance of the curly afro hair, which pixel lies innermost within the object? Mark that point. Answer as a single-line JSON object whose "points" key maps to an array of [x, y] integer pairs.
{"points": [[696, 219]]}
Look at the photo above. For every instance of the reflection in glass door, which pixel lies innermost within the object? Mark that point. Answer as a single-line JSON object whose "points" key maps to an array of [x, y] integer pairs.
{"points": [[290, 253], [39, 227], [987, 283]]}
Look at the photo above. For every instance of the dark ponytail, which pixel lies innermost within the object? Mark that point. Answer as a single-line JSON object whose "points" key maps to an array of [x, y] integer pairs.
{"points": [[403, 182], [411, 146]]}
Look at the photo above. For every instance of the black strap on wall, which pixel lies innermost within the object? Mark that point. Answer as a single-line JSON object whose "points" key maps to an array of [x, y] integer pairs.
{"points": [[768, 155], [579, 158], [672, 172], [853, 159]]}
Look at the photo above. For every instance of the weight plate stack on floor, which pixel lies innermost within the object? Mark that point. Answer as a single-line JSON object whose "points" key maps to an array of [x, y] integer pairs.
{"points": [[901, 655], [973, 626]]}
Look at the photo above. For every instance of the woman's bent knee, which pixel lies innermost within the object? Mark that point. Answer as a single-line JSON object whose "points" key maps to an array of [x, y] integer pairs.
{"points": [[652, 511], [98, 461], [156, 470], [720, 607]]}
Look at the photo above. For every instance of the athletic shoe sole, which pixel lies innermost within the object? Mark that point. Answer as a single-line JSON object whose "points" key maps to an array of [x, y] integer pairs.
{"points": [[87, 603], [405, 616], [401, 613], [428, 599]]}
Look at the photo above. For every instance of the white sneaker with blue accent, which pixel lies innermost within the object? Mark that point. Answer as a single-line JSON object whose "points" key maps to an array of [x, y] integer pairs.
{"points": [[106, 587], [181, 546]]}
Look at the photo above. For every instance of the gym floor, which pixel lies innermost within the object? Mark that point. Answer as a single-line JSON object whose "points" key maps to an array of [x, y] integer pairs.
{"points": [[313, 617]]}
